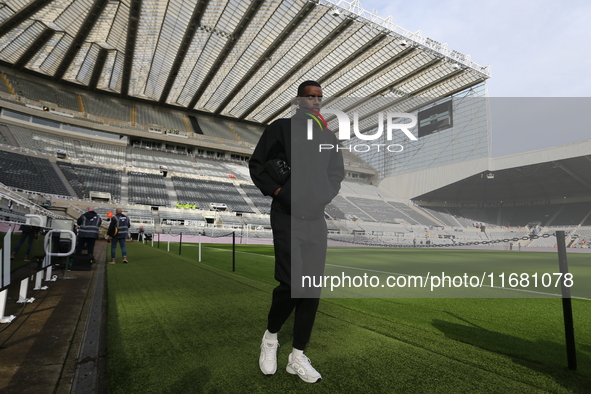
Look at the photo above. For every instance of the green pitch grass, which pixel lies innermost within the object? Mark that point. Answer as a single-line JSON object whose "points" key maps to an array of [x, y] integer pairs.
{"points": [[179, 326]]}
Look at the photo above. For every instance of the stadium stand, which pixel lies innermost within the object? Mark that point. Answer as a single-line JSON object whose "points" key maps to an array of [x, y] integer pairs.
{"points": [[72, 177], [180, 214], [44, 93], [42, 142], [103, 212], [263, 203], [221, 169], [582, 238], [381, 228], [30, 173], [153, 159], [363, 190], [48, 143], [103, 153], [349, 209], [165, 119], [107, 108], [256, 221], [135, 228], [14, 213], [231, 220], [85, 179], [189, 230], [139, 215], [330, 226], [147, 189], [202, 192], [4, 88], [215, 129], [440, 215], [413, 215], [334, 212], [473, 215], [248, 133], [4, 140], [378, 209]]}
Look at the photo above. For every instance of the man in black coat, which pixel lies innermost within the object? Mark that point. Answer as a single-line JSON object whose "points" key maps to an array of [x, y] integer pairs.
{"points": [[285, 156]]}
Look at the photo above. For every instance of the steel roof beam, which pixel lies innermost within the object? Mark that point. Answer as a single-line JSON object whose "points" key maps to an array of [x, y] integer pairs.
{"points": [[240, 29], [360, 52], [315, 51], [399, 82], [135, 8], [93, 15], [98, 68], [39, 42], [22, 15], [183, 48], [290, 28], [573, 174]]}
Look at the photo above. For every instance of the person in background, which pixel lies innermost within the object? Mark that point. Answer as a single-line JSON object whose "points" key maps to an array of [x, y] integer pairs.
{"points": [[88, 231], [121, 223], [27, 233]]}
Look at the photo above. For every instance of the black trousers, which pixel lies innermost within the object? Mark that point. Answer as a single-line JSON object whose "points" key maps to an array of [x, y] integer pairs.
{"points": [[300, 248], [89, 244]]}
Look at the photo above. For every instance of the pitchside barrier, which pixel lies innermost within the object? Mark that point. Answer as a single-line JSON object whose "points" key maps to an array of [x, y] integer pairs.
{"points": [[443, 245], [198, 239], [46, 266]]}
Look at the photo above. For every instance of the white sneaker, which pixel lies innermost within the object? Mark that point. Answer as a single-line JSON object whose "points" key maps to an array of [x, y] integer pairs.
{"points": [[301, 366], [268, 359]]}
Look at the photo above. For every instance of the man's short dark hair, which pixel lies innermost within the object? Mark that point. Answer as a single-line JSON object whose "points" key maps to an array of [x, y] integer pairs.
{"points": [[303, 86]]}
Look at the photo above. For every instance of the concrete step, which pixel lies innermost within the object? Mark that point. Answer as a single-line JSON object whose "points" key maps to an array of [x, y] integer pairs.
{"points": [[124, 188], [64, 179], [246, 198], [8, 134], [128, 156], [78, 149], [172, 196], [157, 226]]}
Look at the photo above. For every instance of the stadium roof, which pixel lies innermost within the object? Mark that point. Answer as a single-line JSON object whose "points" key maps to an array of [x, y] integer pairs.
{"points": [[242, 59], [559, 173]]}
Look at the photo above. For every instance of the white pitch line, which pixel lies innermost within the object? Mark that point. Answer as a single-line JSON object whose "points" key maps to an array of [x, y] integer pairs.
{"points": [[396, 273]]}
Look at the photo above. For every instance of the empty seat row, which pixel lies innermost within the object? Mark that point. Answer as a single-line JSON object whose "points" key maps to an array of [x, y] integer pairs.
{"points": [[30, 173]]}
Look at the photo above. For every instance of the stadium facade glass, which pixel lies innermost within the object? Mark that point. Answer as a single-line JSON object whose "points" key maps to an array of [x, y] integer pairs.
{"points": [[469, 138]]}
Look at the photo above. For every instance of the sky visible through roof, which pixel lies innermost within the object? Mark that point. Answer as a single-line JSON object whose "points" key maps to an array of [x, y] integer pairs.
{"points": [[536, 49]]}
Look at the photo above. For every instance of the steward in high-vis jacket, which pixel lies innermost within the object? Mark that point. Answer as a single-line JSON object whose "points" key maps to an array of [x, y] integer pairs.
{"points": [[118, 230], [88, 231]]}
